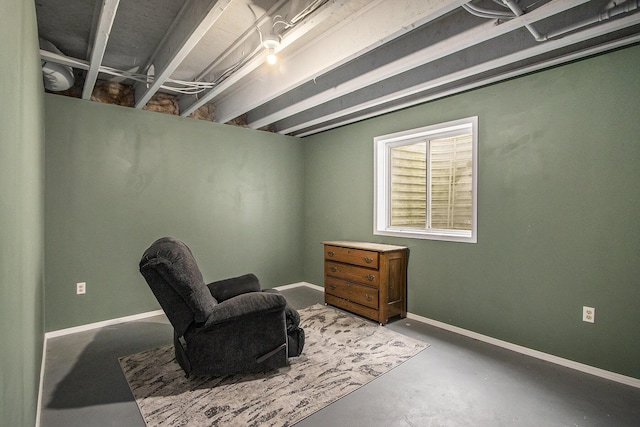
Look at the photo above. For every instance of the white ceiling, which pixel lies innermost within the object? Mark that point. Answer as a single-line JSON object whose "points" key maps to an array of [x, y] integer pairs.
{"points": [[339, 61]]}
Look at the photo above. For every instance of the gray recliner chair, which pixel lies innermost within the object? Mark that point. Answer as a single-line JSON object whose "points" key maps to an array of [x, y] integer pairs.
{"points": [[221, 328]]}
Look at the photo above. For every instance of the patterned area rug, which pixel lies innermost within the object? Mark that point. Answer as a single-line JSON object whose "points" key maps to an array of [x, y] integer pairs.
{"points": [[341, 354]]}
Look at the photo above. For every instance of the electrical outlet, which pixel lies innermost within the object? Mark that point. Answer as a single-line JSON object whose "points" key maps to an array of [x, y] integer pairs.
{"points": [[81, 288], [589, 314]]}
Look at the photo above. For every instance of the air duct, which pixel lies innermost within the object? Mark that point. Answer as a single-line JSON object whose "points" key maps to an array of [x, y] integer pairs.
{"points": [[56, 77]]}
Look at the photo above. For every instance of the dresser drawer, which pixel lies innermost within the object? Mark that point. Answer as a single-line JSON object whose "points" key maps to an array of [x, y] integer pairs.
{"points": [[353, 292], [352, 273], [371, 313], [351, 256]]}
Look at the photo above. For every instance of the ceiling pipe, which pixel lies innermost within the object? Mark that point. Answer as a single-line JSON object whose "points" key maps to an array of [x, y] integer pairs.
{"points": [[359, 111], [458, 42], [56, 77], [189, 105], [487, 13], [309, 130], [59, 58], [519, 12], [628, 6]]}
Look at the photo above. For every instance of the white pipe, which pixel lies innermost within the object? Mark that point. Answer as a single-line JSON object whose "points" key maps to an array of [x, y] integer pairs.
{"points": [[519, 12], [64, 60], [487, 13], [614, 11]]}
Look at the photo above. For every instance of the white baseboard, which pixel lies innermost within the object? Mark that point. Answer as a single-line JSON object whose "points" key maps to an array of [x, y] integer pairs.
{"points": [[296, 285], [102, 324], [96, 325], [41, 383], [631, 381]]}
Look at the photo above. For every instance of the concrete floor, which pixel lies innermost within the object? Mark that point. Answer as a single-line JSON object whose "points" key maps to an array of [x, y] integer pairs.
{"points": [[457, 381]]}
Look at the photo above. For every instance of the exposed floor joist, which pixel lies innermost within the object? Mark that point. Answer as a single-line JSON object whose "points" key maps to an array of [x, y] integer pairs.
{"points": [[460, 38], [193, 23], [404, 91], [378, 23], [224, 57], [339, 61], [105, 22], [257, 58], [426, 97], [491, 55]]}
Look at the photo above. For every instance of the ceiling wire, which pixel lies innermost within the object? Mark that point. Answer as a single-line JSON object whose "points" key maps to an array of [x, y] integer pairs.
{"points": [[181, 86], [196, 87], [241, 39], [300, 16], [308, 10], [277, 20]]}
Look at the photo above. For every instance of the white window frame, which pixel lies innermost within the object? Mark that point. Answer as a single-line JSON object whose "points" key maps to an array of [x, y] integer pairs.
{"points": [[382, 181]]}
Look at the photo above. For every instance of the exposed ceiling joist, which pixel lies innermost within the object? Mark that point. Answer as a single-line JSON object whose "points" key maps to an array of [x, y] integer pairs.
{"points": [[105, 22], [339, 61], [194, 21], [239, 41], [378, 23], [339, 120], [461, 38], [188, 104], [402, 93]]}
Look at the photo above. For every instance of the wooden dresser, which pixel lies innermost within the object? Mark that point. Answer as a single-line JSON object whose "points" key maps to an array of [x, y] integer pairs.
{"points": [[368, 279]]}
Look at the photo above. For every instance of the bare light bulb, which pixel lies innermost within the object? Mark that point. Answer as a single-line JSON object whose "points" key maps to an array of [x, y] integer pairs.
{"points": [[270, 43], [271, 57]]}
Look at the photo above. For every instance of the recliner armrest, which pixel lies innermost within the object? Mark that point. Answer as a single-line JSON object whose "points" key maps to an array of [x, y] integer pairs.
{"points": [[245, 305], [223, 290]]}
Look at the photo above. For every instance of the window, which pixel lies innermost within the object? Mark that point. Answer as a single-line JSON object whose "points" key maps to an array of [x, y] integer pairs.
{"points": [[425, 182]]}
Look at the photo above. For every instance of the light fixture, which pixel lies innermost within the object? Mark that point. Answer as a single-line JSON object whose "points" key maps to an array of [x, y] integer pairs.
{"points": [[270, 43]]}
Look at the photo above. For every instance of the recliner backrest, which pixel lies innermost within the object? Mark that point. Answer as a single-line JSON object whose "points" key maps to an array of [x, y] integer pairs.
{"points": [[175, 279]]}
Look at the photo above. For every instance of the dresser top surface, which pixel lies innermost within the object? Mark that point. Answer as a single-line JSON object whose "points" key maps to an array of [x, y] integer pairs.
{"points": [[378, 247]]}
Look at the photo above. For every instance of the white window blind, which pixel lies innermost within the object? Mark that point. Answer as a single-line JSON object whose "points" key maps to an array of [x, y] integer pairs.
{"points": [[425, 184]]}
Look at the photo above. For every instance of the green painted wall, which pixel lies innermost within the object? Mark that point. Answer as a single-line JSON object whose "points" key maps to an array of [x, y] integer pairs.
{"points": [[21, 213], [558, 214], [119, 178]]}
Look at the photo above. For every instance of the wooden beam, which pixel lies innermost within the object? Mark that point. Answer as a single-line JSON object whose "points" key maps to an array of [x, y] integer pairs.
{"points": [[428, 90], [379, 22], [451, 45], [194, 22], [188, 105], [105, 22]]}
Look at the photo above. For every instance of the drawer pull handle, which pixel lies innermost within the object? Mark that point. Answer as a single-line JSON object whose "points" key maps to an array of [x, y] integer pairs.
{"points": [[331, 253], [368, 297], [370, 277], [333, 287], [368, 260], [333, 269]]}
